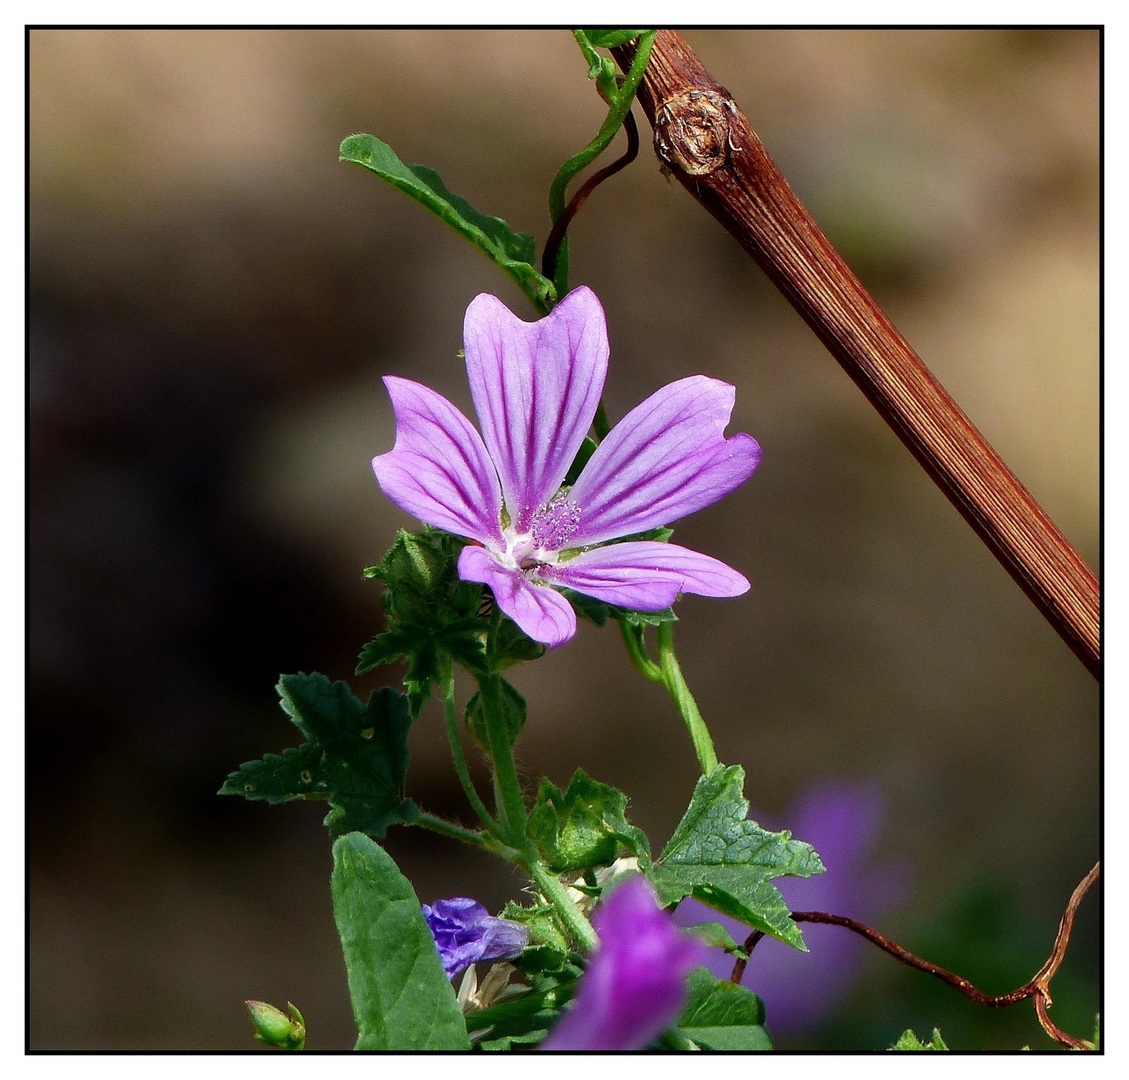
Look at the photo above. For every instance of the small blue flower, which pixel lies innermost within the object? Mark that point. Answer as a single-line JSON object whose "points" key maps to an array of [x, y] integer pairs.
{"points": [[465, 933]]}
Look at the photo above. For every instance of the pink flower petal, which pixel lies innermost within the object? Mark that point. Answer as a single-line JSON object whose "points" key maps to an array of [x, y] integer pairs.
{"points": [[634, 987], [536, 387], [667, 458], [542, 613], [439, 470], [645, 575]]}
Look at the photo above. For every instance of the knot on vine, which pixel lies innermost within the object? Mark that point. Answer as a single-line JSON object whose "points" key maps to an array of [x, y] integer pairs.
{"points": [[692, 131]]}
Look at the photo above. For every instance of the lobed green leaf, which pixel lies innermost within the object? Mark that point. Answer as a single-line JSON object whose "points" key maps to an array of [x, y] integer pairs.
{"points": [[402, 999], [724, 860], [909, 1041], [356, 756]]}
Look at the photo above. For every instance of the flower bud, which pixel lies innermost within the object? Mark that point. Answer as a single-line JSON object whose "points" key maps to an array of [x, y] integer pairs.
{"points": [[275, 1028]]}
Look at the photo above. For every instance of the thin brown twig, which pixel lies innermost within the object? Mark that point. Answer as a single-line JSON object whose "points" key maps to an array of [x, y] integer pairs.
{"points": [[705, 140], [1037, 987], [560, 226]]}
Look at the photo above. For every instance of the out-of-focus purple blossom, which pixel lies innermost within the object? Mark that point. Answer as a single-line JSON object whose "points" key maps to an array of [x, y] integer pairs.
{"points": [[634, 987], [536, 387], [465, 933], [841, 820]]}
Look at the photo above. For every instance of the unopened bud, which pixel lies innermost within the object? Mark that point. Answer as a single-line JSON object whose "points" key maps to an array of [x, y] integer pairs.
{"points": [[275, 1028]]}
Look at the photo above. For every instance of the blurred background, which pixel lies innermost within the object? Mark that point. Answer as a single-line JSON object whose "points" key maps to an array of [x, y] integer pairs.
{"points": [[214, 299]]}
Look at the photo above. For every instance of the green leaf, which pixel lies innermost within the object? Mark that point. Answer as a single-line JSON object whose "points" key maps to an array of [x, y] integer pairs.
{"points": [[514, 252], [584, 826], [603, 38], [909, 1041], [526, 1018], [716, 936], [513, 712], [402, 999], [727, 862], [356, 756], [721, 1015]]}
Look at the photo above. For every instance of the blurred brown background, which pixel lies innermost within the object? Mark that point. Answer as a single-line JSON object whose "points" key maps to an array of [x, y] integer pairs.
{"points": [[214, 298]]}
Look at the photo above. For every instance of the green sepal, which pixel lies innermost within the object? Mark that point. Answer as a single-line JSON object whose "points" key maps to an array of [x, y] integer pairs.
{"points": [[512, 645], [583, 827], [603, 38], [424, 587], [721, 1015], [356, 756], [661, 533], [724, 860], [514, 252], [432, 613], [587, 449], [596, 611], [402, 999], [544, 928], [909, 1041], [514, 711]]}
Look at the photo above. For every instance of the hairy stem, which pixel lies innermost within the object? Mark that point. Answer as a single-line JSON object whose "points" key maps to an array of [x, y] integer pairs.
{"points": [[507, 786], [459, 757], [455, 831], [557, 895]]}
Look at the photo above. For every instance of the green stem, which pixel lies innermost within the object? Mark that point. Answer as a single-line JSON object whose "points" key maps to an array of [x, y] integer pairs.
{"points": [[455, 831], [459, 757], [557, 895], [677, 688], [633, 639], [619, 100], [507, 786], [620, 103]]}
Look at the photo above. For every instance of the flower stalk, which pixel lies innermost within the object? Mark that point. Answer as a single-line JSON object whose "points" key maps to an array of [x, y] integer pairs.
{"points": [[570, 915], [459, 757], [676, 686]]}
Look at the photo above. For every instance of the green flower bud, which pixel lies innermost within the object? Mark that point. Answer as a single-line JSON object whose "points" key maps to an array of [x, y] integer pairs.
{"points": [[275, 1028]]}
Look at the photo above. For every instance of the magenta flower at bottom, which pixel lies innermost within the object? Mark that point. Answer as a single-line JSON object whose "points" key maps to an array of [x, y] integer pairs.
{"points": [[634, 987], [536, 387]]}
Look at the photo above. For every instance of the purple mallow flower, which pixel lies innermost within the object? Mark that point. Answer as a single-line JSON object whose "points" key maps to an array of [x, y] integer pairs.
{"points": [[465, 933], [536, 387], [634, 987]]}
